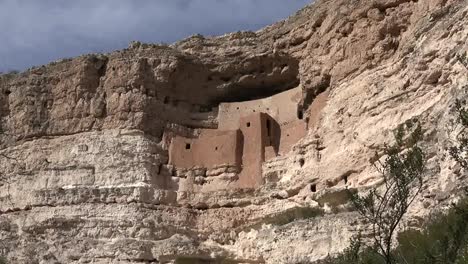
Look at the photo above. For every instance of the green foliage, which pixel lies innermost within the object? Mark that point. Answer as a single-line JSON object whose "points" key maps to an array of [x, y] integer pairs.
{"points": [[444, 240], [401, 170], [459, 152]]}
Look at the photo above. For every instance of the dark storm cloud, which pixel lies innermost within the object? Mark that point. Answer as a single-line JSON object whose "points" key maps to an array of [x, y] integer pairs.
{"points": [[35, 32]]}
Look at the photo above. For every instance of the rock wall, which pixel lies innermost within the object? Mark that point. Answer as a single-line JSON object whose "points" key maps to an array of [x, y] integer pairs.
{"points": [[84, 144]]}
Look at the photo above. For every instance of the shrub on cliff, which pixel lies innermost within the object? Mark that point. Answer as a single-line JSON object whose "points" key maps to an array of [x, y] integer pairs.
{"points": [[459, 152], [401, 166], [444, 240], [402, 173]]}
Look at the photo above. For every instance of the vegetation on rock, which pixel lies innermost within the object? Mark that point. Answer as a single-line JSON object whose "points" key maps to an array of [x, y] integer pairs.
{"points": [[444, 239], [402, 174], [459, 151]]}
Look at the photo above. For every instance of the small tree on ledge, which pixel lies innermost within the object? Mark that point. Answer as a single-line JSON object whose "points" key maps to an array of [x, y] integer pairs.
{"points": [[402, 172], [460, 151]]}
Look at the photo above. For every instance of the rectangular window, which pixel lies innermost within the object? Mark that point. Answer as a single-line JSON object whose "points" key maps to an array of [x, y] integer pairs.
{"points": [[313, 188]]}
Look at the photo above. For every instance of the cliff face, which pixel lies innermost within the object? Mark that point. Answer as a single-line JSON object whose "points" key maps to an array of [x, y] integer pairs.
{"points": [[86, 174]]}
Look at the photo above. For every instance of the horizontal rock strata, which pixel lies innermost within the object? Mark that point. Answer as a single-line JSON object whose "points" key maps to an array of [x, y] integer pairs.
{"points": [[85, 170]]}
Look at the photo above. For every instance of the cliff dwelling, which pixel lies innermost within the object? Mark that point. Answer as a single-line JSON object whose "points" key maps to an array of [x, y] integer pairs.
{"points": [[241, 148], [247, 134]]}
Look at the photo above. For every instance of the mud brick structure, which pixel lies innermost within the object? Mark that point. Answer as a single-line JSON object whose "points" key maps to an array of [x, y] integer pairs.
{"points": [[248, 134], [214, 149]]}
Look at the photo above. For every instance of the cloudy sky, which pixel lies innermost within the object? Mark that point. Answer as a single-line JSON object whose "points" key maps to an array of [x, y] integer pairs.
{"points": [[35, 32]]}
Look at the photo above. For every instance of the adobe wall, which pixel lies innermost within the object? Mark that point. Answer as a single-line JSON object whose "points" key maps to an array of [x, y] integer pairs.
{"points": [[282, 107], [291, 133], [211, 149], [249, 133], [178, 154], [256, 137], [215, 148]]}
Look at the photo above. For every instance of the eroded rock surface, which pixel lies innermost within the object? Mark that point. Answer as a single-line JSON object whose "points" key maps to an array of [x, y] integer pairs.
{"points": [[88, 175]]}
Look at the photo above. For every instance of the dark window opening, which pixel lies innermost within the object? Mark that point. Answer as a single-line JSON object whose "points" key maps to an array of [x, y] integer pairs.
{"points": [[313, 188], [7, 92], [268, 127], [166, 100], [216, 148], [187, 146], [301, 162], [248, 124], [237, 108], [159, 169], [345, 179], [300, 114], [287, 135]]}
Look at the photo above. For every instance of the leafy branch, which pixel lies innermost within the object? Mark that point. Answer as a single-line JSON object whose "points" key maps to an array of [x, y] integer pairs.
{"points": [[402, 173], [460, 151]]}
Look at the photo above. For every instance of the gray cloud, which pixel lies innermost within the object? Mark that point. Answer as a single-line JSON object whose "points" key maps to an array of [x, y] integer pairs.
{"points": [[35, 32]]}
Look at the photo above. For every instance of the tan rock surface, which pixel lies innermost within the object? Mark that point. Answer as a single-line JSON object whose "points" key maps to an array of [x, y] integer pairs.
{"points": [[84, 158]]}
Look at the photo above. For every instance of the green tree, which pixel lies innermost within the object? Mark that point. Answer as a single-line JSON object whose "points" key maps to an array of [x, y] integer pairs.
{"points": [[459, 151], [443, 241], [402, 173]]}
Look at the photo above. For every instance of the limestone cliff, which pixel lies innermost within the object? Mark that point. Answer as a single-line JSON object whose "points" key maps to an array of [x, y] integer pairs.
{"points": [[86, 164]]}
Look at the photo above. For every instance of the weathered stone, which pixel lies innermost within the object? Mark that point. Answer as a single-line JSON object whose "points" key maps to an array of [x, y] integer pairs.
{"points": [[87, 171]]}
